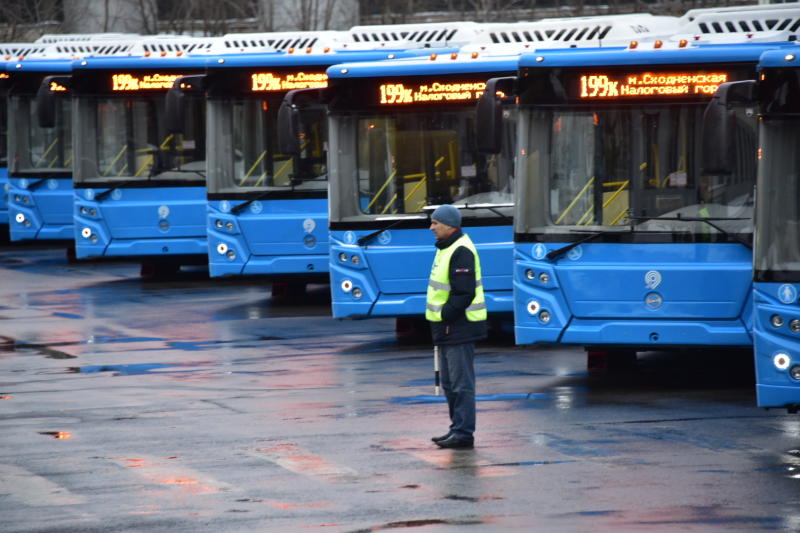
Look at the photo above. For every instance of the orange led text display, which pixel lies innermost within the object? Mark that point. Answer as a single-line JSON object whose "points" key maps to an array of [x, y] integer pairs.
{"points": [[647, 84], [143, 82], [400, 93], [287, 81]]}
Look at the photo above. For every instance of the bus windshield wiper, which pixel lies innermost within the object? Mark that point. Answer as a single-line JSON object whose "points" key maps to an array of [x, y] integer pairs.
{"points": [[263, 194], [707, 220], [369, 236], [36, 184], [490, 207], [553, 254], [100, 196]]}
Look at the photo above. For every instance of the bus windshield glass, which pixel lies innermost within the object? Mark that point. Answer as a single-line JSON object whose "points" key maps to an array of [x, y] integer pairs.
{"points": [[777, 245], [243, 153], [403, 162], [34, 149], [127, 140], [637, 166]]}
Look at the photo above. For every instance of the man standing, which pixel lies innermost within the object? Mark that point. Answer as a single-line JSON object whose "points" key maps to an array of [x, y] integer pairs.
{"points": [[456, 310]]}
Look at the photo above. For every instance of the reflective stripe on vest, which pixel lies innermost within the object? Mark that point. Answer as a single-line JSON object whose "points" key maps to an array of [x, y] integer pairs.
{"points": [[439, 284]]}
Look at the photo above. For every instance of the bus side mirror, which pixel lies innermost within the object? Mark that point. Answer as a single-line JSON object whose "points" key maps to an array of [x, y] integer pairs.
{"points": [[176, 100], [289, 128], [719, 121], [46, 96], [489, 137]]}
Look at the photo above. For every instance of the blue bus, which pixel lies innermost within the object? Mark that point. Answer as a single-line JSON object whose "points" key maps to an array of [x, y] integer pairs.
{"points": [[267, 208], [623, 241], [39, 154], [775, 99], [405, 138], [139, 187], [39, 158]]}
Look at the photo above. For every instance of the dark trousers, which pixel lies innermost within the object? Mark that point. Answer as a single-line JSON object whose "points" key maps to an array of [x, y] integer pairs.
{"points": [[458, 382]]}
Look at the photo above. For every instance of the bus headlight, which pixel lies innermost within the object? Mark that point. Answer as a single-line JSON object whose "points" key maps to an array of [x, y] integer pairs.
{"points": [[347, 285], [355, 260], [533, 307], [357, 293], [217, 223], [544, 316], [794, 325], [781, 361], [795, 372], [20, 218], [86, 233], [343, 257], [231, 254], [229, 225], [530, 274], [222, 248], [777, 321], [544, 277]]}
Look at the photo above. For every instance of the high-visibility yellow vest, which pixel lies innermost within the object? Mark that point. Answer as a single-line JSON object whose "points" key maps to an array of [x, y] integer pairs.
{"points": [[439, 284]]}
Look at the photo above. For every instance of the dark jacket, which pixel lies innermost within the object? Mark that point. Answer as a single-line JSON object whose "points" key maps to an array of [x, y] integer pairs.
{"points": [[454, 327]]}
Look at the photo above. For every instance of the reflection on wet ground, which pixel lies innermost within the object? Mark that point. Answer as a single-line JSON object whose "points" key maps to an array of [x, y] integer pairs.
{"points": [[203, 405]]}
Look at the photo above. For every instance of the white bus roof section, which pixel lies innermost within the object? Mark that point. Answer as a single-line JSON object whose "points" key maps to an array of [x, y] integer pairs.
{"points": [[577, 32], [758, 23], [144, 46], [358, 38], [51, 38], [408, 36], [15, 51]]}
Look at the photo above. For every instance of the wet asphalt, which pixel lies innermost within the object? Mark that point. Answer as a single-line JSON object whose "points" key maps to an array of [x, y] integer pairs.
{"points": [[203, 405]]}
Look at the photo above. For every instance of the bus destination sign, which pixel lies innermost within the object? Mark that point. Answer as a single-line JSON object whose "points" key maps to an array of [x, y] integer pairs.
{"points": [[628, 85], [429, 92], [156, 81], [287, 81]]}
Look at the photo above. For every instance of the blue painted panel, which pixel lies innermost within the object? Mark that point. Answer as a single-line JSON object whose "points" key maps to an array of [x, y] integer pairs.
{"points": [[44, 213], [141, 221], [634, 294], [774, 386], [392, 271], [287, 236]]}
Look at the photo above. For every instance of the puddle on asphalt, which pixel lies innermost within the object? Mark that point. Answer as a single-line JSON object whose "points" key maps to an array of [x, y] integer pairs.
{"points": [[57, 434], [46, 351], [422, 523]]}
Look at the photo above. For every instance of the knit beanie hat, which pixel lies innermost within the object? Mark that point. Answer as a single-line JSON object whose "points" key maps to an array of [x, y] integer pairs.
{"points": [[447, 214]]}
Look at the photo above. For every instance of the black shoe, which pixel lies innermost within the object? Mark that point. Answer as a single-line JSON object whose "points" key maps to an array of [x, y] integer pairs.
{"points": [[442, 437], [455, 442]]}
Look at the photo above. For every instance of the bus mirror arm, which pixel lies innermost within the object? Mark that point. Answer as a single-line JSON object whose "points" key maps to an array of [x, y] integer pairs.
{"points": [[719, 120], [175, 101], [289, 130], [489, 111], [46, 99]]}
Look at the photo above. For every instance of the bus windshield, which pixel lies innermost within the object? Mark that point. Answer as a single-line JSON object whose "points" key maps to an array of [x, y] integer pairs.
{"points": [[243, 154], [777, 245], [127, 140], [404, 161], [34, 149], [633, 166]]}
